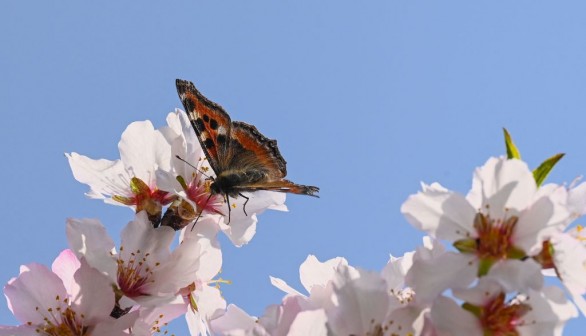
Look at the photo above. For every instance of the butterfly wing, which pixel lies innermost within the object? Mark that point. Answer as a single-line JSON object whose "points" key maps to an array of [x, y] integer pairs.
{"points": [[211, 124], [256, 156]]}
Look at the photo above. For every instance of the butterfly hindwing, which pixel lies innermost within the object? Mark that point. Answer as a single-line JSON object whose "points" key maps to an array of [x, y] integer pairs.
{"points": [[251, 150], [211, 124]]}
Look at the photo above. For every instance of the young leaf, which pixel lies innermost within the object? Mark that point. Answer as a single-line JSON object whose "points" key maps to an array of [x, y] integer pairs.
{"points": [[541, 172], [512, 150]]}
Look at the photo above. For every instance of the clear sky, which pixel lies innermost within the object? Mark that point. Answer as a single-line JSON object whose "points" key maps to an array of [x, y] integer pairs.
{"points": [[366, 99]]}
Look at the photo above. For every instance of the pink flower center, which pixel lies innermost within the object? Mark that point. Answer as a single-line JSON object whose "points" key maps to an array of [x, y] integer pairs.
{"points": [[499, 318], [494, 239], [62, 323], [198, 191], [134, 274]]}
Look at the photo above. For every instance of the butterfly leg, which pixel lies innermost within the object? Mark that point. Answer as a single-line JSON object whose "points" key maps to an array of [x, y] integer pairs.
{"points": [[201, 212], [229, 208], [244, 206]]}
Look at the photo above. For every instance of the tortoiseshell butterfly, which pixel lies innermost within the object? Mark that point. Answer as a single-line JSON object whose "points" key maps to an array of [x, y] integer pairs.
{"points": [[243, 159]]}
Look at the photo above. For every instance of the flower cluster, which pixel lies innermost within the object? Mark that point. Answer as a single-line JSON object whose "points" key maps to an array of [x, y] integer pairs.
{"points": [[480, 270]]}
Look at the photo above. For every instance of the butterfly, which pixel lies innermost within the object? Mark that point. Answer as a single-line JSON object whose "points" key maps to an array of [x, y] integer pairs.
{"points": [[242, 158]]}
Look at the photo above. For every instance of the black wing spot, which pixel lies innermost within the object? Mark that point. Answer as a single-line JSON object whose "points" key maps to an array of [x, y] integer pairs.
{"points": [[209, 143], [206, 118], [221, 139], [198, 124], [213, 124]]}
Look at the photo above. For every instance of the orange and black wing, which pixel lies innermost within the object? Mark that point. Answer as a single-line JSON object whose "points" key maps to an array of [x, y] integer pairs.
{"points": [[253, 154], [211, 124]]}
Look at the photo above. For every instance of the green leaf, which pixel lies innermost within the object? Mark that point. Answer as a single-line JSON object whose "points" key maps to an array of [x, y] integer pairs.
{"points": [[512, 150], [541, 172]]}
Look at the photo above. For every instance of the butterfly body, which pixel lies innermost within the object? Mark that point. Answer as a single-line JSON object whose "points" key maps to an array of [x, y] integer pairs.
{"points": [[243, 159]]}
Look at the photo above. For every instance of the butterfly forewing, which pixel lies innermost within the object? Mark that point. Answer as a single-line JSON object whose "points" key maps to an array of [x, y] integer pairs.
{"points": [[211, 123]]}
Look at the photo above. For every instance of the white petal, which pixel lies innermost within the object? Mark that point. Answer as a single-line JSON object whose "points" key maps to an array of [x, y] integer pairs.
{"points": [[282, 285], [312, 272], [140, 238], [234, 319], [429, 278], [502, 184], [88, 239], [143, 150], [442, 214], [517, 275], [309, 323], [450, 319], [361, 301], [104, 177], [570, 262]]}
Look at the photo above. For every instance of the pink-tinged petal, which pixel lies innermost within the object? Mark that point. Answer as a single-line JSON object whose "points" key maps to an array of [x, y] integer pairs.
{"points": [[210, 260], [312, 272], [158, 317], [442, 214], [282, 285], [361, 301], [278, 318], [234, 319], [142, 149], [180, 269], [104, 177], [140, 238], [118, 327], [550, 310], [570, 262], [65, 266], [535, 225], [22, 330], [518, 276], [429, 278], [95, 299], [34, 293], [309, 323], [502, 184], [449, 319], [88, 239]]}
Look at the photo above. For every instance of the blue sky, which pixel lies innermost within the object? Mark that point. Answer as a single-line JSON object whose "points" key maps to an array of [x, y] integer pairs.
{"points": [[366, 100]]}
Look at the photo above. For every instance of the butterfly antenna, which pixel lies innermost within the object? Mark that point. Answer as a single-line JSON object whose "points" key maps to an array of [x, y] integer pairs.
{"points": [[192, 166], [201, 212]]}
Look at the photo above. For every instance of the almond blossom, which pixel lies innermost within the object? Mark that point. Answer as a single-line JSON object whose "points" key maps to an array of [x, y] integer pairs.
{"points": [[145, 270], [131, 180], [487, 311], [503, 219], [73, 299]]}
